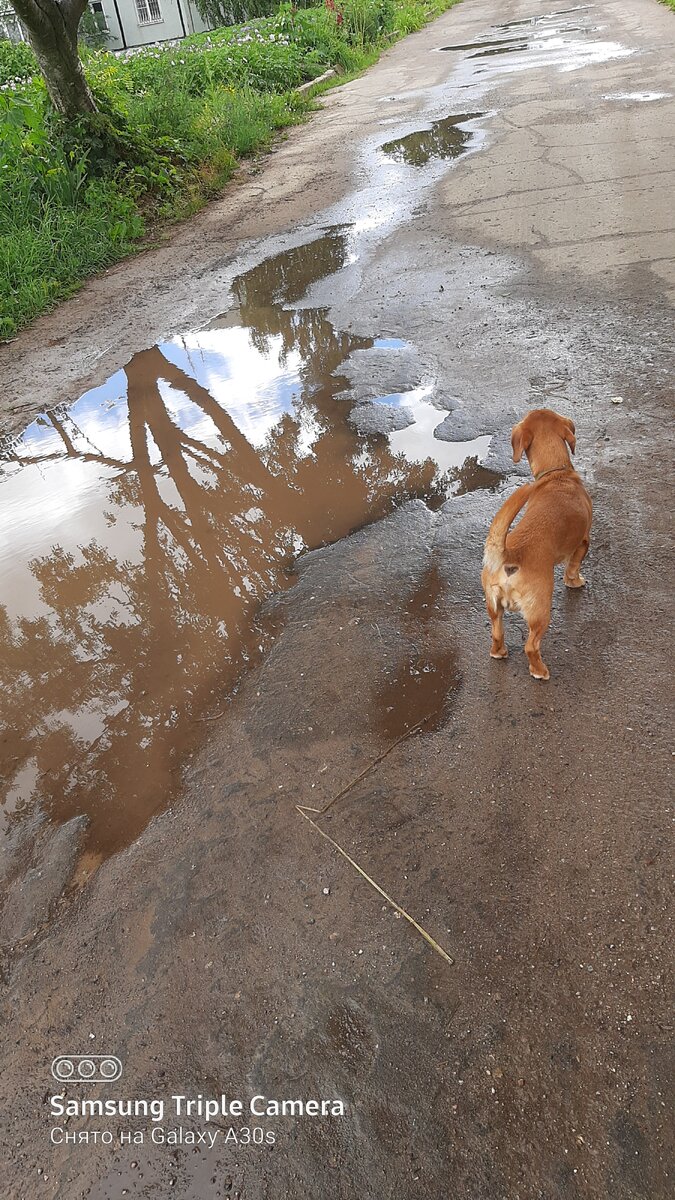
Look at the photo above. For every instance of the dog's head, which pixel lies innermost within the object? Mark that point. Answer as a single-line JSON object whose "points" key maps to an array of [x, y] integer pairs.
{"points": [[541, 421]]}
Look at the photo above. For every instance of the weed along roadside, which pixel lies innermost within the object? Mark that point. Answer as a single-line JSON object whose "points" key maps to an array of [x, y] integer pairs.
{"points": [[184, 115]]}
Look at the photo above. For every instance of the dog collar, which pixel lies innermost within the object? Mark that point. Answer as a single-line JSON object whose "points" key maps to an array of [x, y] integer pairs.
{"points": [[540, 474]]}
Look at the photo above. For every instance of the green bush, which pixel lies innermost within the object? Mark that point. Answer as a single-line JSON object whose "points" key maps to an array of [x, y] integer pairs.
{"points": [[55, 228], [408, 18], [256, 59], [17, 62], [364, 21]]}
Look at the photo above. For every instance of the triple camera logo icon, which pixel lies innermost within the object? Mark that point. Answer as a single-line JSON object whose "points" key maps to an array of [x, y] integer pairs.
{"points": [[86, 1068]]}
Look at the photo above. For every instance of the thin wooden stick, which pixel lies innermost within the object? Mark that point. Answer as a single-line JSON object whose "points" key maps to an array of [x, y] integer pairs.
{"points": [[348, 787], [427, 936]]}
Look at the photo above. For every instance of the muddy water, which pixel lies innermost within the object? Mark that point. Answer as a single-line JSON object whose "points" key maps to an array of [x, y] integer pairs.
{"points": [[146, 522]]}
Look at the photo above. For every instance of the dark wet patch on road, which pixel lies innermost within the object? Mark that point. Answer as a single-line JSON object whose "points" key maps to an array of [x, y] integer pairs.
{"points": [[418, 690], [147, 522], [442, 139]]}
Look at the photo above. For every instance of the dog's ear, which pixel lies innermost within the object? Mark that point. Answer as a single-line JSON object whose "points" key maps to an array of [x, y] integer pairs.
{"points": [[568, 432], [521, 438]]}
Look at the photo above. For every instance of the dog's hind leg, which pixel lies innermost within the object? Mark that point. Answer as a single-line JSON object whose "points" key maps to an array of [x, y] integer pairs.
{"points": [[538, 667], [496, 615], [572, 578], [538, 617]]}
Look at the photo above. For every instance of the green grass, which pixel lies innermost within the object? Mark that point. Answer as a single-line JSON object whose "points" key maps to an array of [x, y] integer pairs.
{"points": [[669, 4], [186, 113]]}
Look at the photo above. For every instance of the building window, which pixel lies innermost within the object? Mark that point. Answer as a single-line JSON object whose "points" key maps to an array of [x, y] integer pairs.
{"points": [[99, 16], [148, 12], [10, 25]]}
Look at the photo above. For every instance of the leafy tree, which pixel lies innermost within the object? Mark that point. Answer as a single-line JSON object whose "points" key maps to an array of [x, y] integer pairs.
{"points": [[235, 12], [93, 31], [52, 29]]}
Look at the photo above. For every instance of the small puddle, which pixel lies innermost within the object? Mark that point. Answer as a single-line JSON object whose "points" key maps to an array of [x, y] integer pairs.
{"points": [[146, 522], [512, 48], [442, 139], [498, 43], [638, 97]]}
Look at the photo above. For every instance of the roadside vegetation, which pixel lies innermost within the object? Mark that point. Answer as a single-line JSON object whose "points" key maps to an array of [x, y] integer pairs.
{"points": [[73, 200]]}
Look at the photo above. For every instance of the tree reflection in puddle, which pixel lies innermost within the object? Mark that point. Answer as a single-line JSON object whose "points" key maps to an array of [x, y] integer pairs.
{"points": [[146, 523], [442, 139]]}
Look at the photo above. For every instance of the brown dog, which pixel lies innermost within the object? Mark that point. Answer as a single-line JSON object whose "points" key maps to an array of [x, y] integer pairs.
{"points": [[555, 527]]}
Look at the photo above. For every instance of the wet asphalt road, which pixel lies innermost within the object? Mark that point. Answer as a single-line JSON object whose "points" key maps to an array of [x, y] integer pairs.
{"points": [[231, 949]]}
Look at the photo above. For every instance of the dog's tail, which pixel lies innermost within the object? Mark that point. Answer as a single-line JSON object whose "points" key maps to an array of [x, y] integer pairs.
{"points": [[495, 551]]}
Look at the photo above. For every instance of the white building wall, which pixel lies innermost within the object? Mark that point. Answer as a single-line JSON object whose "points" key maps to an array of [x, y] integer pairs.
{"points": [[178, 18], [198, 26], [10, 25]]}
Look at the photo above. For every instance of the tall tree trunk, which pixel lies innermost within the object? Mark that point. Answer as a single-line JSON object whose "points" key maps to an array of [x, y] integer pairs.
{"points": [[52, 27]]}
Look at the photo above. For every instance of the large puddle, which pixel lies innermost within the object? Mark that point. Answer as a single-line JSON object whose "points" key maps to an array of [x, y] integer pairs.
{"points": [[146, 522]]}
